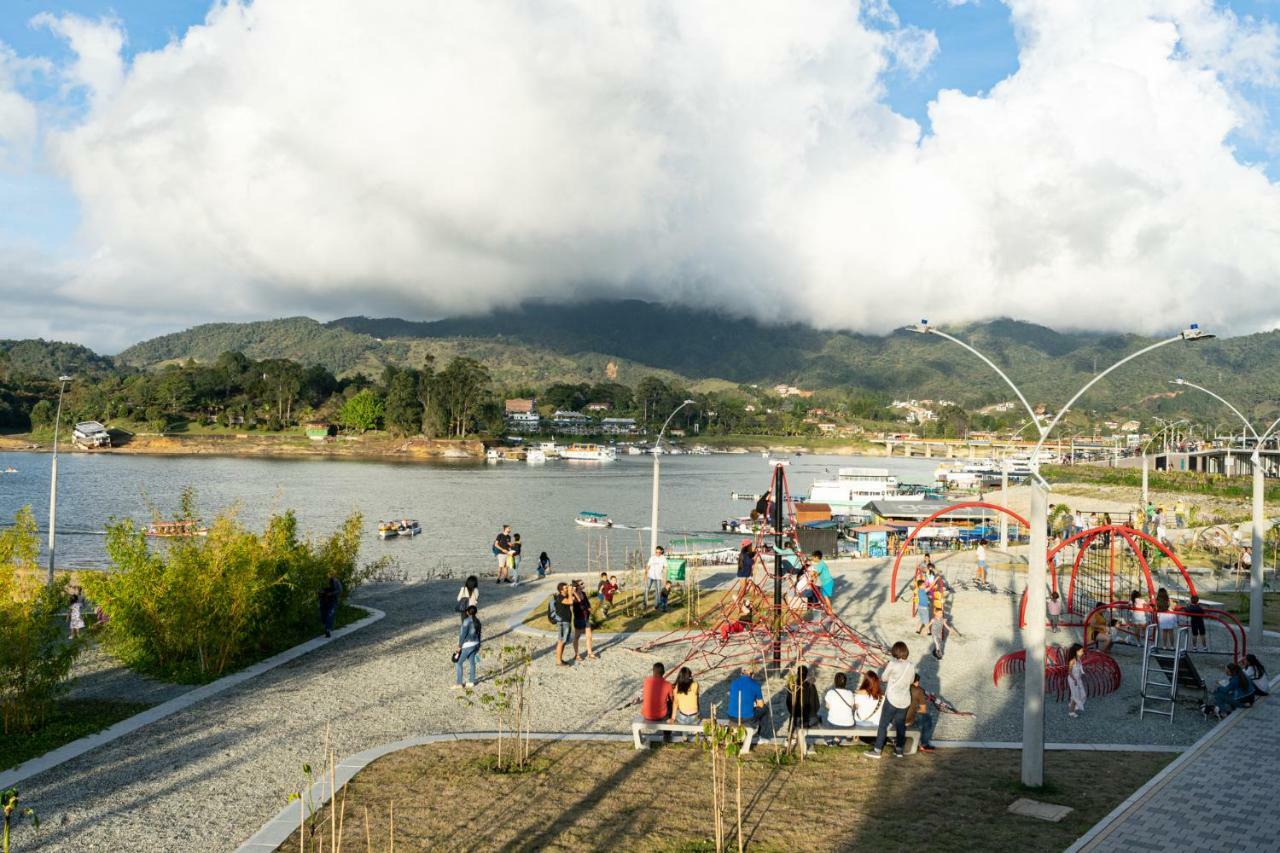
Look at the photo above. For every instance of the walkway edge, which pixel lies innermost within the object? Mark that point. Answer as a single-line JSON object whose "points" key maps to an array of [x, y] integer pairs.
{"points": [[76, 748], [277, 830], [1102, 828]]}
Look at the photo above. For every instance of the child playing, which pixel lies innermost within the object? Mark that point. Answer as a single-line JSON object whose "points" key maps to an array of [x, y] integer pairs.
{"points": [[1055, 611], [608, 589], [938, 631], [76, 618], [544, 565], [664, 596]]}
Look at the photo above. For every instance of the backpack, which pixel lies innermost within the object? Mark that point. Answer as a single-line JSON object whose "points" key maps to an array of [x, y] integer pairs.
{"points": [[552, 616]]}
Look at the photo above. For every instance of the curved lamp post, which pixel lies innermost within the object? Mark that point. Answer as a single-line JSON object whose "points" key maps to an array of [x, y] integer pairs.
{"points": [[1259, 515], [53, 474], [1033, 634], [653, 518]]}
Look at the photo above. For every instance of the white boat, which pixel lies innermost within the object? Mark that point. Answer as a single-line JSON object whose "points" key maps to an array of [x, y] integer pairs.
{"points": [[589, 453], [535, 456], [854, 488], [634, 450], [492, 455], [593, 519], [550, 449], [773, 462]]}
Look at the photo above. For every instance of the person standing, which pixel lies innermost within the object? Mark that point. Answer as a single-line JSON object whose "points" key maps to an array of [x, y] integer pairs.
{"points": [[502, 551], [746, 559], [1075, 681], [330, 593], [560, 612], [655, 573], [76, 616], [468, 648], [921, 711], [1054, 609], [897, 676], [938, 632], [514, 560], [922, 606], [468, 595], [826, 583], [982, 562], [1196, 611], [581, 606]]}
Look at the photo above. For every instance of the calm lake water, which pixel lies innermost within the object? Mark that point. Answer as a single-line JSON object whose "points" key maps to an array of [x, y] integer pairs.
{"points": [[460, 505]]}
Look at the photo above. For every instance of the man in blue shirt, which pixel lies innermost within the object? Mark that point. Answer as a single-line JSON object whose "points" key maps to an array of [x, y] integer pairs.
{"points": [[746, 699], [826, 583]]}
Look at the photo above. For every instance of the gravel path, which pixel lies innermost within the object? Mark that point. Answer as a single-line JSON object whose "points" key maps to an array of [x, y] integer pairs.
{"points": [[209, 777]]}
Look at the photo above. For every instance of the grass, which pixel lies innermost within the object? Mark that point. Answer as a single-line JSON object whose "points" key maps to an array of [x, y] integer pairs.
{"points": [[70, 719], [1237, 603], [640, 619], [1182, 482], [607, 796]]}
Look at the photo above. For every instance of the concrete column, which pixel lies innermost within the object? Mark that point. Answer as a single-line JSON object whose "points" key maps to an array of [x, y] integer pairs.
{"points": [[1259, 552], [1004, 502], [1033, 641]]}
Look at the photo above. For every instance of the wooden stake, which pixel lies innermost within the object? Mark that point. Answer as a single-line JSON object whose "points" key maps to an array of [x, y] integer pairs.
{"points": [[368, 839], [393, 827], [302, 823], [333, 793]]}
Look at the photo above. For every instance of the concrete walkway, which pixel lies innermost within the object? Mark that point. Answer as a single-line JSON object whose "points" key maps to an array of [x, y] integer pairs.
{"points": [[1218, 796]]}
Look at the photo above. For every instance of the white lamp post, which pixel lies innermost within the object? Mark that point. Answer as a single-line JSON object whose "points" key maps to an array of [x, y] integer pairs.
{"points": [[653, 518], [1033, 634], [1259, 516], [53, 474], [1167, 426]]}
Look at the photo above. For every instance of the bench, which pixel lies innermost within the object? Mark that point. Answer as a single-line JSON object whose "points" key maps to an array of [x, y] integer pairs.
{"points": [[640, 727], [862, 730]]}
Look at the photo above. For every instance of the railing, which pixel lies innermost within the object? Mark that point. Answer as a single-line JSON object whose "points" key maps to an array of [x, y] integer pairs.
{"points": [[1239, 643]]}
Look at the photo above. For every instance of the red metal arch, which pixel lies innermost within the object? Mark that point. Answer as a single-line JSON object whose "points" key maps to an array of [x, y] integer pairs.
{"points": [[894, 592], [1116, 532]]}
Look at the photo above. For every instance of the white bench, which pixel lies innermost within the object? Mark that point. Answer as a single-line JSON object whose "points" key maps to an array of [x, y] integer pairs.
{"points": [[862, 730], [640, 727]]}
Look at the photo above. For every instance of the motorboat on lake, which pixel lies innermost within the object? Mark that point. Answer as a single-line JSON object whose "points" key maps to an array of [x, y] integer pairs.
{"points": [[176, 529], [593, 519], [589, 453], [407, 527]]}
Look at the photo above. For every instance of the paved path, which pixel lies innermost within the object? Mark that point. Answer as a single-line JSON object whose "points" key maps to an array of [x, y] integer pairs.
{"points": [[1217, 797]]}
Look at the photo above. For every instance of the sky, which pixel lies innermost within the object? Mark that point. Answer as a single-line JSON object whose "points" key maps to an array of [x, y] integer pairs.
{"points": [[846, 163]]}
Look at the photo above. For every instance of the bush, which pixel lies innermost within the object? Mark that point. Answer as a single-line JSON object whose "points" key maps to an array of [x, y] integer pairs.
{"points": [[198, 607], [35, 652]]}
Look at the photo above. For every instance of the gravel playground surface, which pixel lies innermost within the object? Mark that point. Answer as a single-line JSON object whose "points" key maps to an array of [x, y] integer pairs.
{"points": [[214, 773]]}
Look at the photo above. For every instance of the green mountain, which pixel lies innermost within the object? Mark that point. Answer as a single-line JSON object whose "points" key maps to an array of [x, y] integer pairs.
{"points": [[38, 359], [538, 343]]}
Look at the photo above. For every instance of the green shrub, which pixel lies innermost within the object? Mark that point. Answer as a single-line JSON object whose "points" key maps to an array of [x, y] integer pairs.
{"points": [[35, 650], [195, 608]]}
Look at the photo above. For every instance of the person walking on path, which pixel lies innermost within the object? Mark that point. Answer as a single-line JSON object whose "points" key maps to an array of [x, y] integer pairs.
{"points": [[502, 551], [468, 596], [329, 595], [921, 711], [76, 617], [1075, 680], [560, 612], [897, 676], [655, 574], [468, 648], [514, 560]]}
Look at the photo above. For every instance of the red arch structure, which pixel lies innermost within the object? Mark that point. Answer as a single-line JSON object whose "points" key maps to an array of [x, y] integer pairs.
{"points": [[1112, 535], [894, 592]]}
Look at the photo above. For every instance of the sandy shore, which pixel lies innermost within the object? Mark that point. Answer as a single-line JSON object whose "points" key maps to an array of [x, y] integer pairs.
{"points": [[275, 445]]}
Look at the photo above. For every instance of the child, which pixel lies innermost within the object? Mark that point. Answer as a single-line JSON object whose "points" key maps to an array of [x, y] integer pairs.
{"points": [[514, 560], [76, 617], [600, 585], [1196, 611], [938, 631], [1055, 611], [544, 565], [922, 606], [609, 589], [664, 596]]}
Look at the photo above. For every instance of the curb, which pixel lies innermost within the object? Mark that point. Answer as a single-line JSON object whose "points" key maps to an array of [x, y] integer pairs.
{"points": [[1100, 830], [76, 748], [277, 830]]}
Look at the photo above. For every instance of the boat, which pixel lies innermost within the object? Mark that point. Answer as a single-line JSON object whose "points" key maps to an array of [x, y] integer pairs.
{"points": [[634, 450], [176, 529], [535, 456], [593, 519], [589, 453], [778, 461], [550, 449], [701, 450], [11, 470], [492, 455], [854, 488], [407, 527]]}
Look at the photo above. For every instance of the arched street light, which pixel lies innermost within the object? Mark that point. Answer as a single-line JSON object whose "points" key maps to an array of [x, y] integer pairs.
{"points": [[1259, 520], [1033, 634], [1143, 451], [657, 450]]}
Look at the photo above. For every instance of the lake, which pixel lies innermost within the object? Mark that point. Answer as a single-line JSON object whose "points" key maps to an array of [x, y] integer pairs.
{"points": [[461, 505]]}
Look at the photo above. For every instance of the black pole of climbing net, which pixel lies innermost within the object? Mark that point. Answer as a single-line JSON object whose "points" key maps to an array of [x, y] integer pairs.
{"points": [[777, 564]]}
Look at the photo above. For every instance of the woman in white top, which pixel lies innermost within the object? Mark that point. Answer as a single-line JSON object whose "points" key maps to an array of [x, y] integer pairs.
{"points": [[838, 703], [469, 596]]}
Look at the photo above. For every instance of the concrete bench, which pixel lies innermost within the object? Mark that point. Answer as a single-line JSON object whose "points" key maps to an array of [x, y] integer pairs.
{"points": [[640, 727], [862, 730]]}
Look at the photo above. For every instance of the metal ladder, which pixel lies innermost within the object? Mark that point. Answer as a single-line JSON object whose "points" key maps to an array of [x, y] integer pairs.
{"points": [[1160, 670]]}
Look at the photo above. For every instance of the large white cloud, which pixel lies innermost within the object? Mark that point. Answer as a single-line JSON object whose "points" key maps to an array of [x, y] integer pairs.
{"points": [[326, 157]]}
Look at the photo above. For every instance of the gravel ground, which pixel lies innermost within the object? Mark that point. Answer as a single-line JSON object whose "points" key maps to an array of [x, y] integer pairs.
{"points": [[97, 675], [210, 776]]}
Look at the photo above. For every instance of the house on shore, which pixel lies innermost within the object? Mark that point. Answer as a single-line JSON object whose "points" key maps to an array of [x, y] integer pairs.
{"points": [[90, 434]]}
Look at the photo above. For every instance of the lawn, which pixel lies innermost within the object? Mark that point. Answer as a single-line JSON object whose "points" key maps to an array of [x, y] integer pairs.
{"points": [[607, 796], [71, 719], [1237, 603], [639, 619]]}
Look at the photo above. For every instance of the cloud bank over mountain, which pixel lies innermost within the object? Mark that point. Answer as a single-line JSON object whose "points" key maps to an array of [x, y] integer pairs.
{"points": [[395, 157]]}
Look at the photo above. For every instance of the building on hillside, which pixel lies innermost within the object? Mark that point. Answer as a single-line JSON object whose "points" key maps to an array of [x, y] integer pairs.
{"points": [[599, 407], [521, 405], [91, 434], [523, 421], [1129, 426], [619, 426], [791, 391], [571, 422]]}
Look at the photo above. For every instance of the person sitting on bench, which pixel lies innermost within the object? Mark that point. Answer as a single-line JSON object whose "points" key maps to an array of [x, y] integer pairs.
{"points": [[839, 703], [746, 699], [655, 705]]}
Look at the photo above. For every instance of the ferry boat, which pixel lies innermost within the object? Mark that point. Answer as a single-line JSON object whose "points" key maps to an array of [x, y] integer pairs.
{"points": [[550, 449], [589, 453], [854, 488], [535, 456], [593, 519]]}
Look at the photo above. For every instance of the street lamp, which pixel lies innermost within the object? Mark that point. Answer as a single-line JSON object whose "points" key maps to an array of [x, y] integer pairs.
{"points": [[1033, 633], [1259, 517], [653, 519], [53, 477], [1163, 431]]}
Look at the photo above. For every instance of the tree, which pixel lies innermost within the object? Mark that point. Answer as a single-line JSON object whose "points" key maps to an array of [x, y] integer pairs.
{"points": [[429, 397], [362, 411], [463, 386], [42, 414], [403, 412]]}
